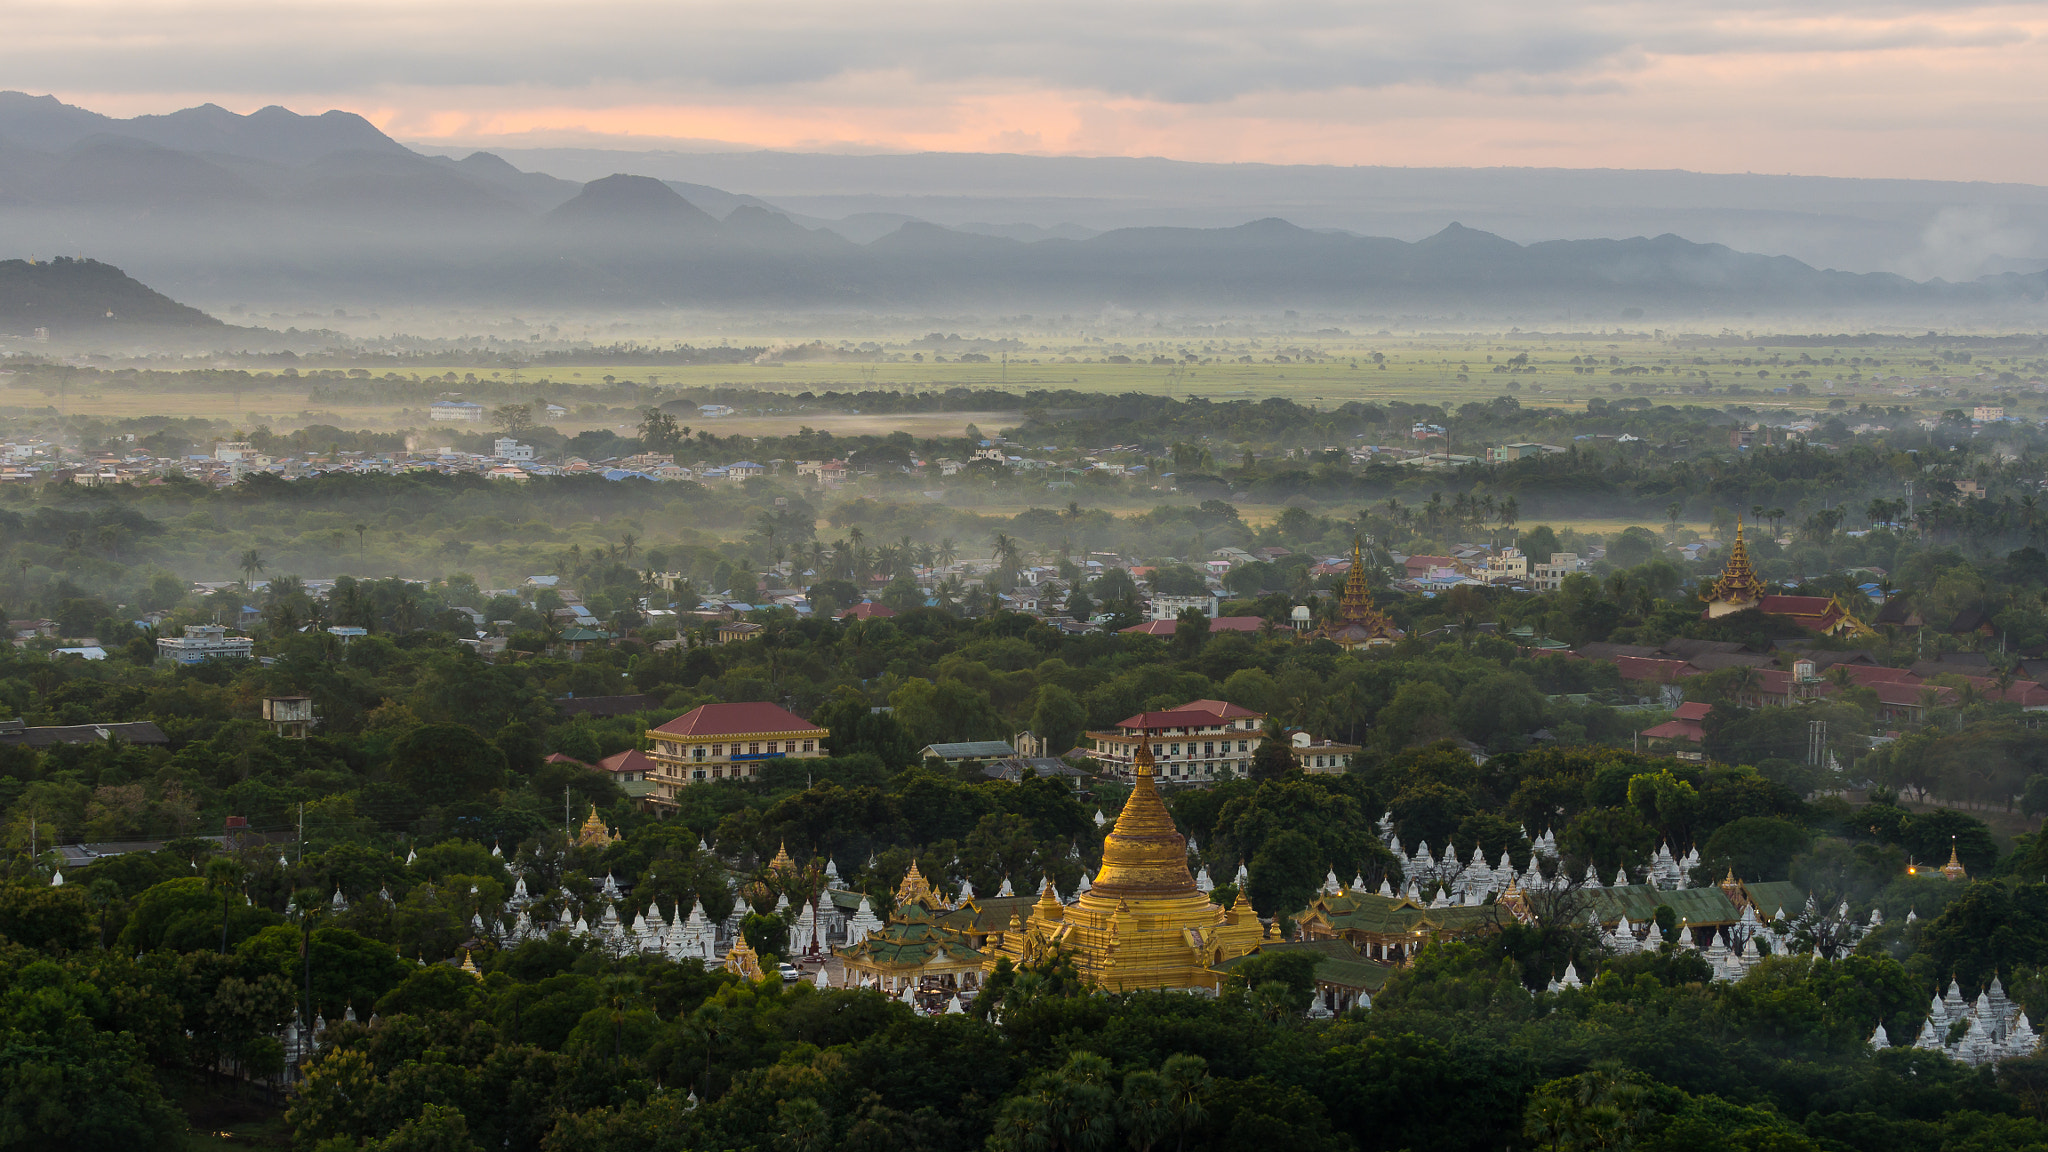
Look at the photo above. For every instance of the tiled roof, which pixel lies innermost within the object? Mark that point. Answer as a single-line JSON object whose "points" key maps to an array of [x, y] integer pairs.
{"points": [[1337, 962], [1194, 713], [736, 720], [631, 760], [971, 750]]}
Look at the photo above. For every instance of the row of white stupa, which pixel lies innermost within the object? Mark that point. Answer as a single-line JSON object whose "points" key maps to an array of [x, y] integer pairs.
{"points": [[1993, 1029]]}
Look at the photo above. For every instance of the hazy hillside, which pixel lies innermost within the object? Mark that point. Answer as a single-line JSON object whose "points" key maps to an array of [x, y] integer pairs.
{"points": [[70, 297]]}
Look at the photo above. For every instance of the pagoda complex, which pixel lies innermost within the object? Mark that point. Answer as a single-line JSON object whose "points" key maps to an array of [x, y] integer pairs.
{"points": [[1739, 589], [1143, 923], [1359, 624]]}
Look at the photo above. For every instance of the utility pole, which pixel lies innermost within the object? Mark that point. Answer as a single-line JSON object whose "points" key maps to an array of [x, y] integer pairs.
{"points": [[302, 831], [568, 828]]}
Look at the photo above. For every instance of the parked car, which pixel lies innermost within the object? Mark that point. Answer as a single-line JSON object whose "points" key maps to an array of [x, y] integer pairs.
{"points": [[789, 972]]}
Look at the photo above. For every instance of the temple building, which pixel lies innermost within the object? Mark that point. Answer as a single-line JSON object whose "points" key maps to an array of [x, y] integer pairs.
{"points": [[914, 950], [594, 834], [742, 960], [1143, 923], [1391, 929], [1740, 589], [1358, 624], [929, 947]]}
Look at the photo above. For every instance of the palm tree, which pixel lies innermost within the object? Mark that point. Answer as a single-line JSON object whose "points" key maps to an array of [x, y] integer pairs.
{"points": [[1187, 1085], [948, 552], [360, 529], [627, 542], [251, 563]]}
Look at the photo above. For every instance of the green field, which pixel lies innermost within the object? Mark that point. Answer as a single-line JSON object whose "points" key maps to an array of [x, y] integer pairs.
{"points": [[1323, 371]]}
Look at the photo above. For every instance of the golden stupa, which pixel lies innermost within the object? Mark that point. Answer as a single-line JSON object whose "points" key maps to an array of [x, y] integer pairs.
{"points": [[1143, 924]]}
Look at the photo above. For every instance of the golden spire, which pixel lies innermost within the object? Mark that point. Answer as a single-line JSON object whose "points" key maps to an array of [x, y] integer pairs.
{"points": [[1358, 621], [782, 862], [1738, 582], [1144, 855], [1357, 602]]}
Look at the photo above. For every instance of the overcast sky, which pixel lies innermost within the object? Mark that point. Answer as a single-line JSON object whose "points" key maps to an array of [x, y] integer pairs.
{"points": [[1870, 88]]}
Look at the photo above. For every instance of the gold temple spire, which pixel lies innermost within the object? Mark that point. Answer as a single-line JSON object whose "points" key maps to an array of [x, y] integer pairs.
{"points": [[1359, 623], [1738, 582], [1357, 602]]}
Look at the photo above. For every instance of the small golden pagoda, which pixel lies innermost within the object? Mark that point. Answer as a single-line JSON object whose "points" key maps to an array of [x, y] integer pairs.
{"points": [[1143, 924], [1954, 870], [593, 834], [782, 863], [743, 961], [1738, 588], [1359, 623]]}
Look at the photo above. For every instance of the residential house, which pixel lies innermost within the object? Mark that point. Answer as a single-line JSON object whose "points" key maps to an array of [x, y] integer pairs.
{"points": [[204, 642]]}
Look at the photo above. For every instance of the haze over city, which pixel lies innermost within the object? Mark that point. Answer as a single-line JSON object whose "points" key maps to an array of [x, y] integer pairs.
{"points": [[912, 577]]}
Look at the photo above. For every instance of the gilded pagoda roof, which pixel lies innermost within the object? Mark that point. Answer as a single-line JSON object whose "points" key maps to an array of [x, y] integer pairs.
{"points": [[1738, 582], [1358, 619], [915, 889]]}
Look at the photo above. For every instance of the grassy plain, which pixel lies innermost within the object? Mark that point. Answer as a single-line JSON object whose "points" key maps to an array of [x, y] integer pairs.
{"points": [[1320, 371]]}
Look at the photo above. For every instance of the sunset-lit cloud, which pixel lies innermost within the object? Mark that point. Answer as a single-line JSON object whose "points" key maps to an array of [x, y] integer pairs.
{"points": [[1899, 89]]}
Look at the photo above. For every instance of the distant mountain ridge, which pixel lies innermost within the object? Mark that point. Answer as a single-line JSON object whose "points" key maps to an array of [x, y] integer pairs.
{"points": [[273, 134], [70, 297], [293, 210]]}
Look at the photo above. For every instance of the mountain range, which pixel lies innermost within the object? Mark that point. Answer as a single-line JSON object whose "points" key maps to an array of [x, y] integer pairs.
{"points": [[277, 209]]}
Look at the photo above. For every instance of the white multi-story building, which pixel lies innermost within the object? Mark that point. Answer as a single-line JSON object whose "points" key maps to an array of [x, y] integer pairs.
{"points": [[509, 449], [203, 642], [1550, 575], [459, 411], [1170, 607]]}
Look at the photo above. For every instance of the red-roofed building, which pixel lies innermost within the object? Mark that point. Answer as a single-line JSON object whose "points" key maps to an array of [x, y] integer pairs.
{"points": [[726, 742], [1648, 670], [1687, 726], [628, 766], [1216, 624], [1420, 566], [1193, 742], [867, 610], [1814, 613]]}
